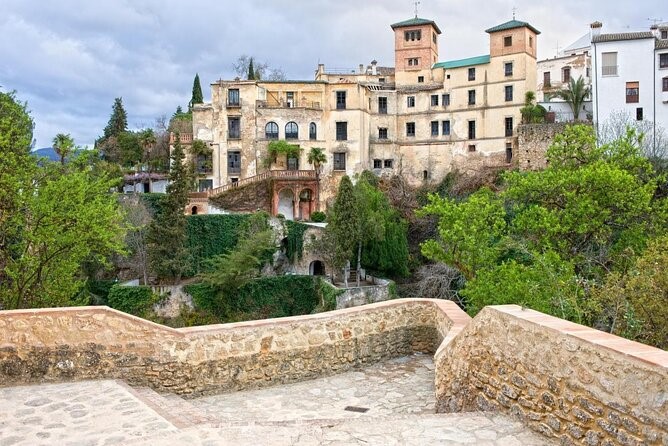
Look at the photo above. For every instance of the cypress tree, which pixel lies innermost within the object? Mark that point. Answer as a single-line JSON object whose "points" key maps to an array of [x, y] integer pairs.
{"points": [[118, 121], [197, 97], [251, 70], [344, 223]]}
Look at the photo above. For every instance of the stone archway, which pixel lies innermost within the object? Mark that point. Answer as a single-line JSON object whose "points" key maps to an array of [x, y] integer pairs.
{"points": [[193, 210], [316, 268], [286, 203], [305, 203]]}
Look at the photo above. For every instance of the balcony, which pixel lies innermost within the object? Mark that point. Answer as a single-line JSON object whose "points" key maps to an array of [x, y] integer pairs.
{"points": [[184, 138], [377, 140], [302, 103], [609, 70], [233, 103]]}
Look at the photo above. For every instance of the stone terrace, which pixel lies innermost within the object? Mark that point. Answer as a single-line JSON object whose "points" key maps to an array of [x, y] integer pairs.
{"points": [[398, 395]]}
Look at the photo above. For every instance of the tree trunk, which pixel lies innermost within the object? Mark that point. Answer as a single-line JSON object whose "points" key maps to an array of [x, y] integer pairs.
{"points": [[359, 262]]}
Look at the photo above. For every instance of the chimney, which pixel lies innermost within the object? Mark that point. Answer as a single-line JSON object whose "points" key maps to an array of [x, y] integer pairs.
{"points": [[374, 69], [361, 68], [595, 29]]}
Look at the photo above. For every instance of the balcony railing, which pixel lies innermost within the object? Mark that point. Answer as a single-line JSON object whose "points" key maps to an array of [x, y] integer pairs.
{"points": [[185, 138], [609, 70], [302, 103], [233, 103], [271, 174]]}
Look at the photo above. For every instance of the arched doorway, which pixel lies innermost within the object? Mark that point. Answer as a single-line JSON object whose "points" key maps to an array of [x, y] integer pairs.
{"points": [[193, 211], [316, 268], [305, 203], [286, 199]]}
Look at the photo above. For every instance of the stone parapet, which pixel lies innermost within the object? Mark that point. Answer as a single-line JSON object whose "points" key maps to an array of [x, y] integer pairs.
{"points": [[564, 380], [49, 345]]}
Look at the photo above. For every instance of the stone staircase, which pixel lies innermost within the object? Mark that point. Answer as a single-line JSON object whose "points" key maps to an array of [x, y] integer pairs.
{"points": [[270, 174]]}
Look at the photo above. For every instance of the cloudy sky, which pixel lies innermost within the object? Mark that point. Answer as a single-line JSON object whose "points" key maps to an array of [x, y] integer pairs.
{"points": [[69, 59]]}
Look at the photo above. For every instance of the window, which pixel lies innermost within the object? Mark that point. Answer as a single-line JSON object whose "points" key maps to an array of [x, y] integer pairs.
{"points": [[664, 35], [290, 98], [341, 131], [665, 84], [413, 35], [434, 100], [425, 174], [609, 64], [382, 133], [508, 68], [566, 74], [293, 163], [663, 60], [388, 164], [312, 131], [377, 164], [340, 100], [234, 128], [509, 93], [233, 162], [382, 105], [530, 42], [413, 62], [445, 128], [471, 129], [410, 129], [381, 80], [291, 130], [471, 74], [509, 152], [632, 92], [410, 101], [445, 100], [271, 130], [471, 147], [420, 79], [471, 97], [508, 41], [509, 126], [546, 79], [434, 128], [339, 161], [447, 76], [233, 96], [639, 114]]}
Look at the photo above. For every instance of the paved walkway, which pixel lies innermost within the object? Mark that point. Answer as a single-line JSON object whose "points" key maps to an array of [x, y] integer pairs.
{"points": [[398, 396]]}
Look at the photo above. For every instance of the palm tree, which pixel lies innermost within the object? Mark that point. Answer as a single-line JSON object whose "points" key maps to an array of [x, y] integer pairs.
{"points": [[63, 144], [574, 95], [317, 157]]}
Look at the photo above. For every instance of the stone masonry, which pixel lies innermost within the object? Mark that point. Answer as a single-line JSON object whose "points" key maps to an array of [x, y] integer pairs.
{"points": [[533, 142], [564, 380]]}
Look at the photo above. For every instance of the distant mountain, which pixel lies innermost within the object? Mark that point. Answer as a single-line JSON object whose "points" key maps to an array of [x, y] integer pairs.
{"points": [[46, 152]]}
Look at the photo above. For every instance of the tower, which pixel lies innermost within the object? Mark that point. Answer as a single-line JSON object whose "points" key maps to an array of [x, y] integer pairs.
{"points": [[415, 50]]}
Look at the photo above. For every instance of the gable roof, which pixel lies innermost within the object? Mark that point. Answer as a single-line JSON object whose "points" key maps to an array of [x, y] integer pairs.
{"points": [[511, 25], [478, 60], [415, 21], [622, 36], [582, 42]]}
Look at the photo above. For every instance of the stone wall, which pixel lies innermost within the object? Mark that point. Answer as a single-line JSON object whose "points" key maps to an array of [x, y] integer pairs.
{"points": [[248, 198], [354, 297], [532, 143], [564, 380], [97, 342]]}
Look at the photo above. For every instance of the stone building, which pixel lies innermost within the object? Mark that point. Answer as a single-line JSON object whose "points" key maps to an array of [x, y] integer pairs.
{"points": [[420, 119]]}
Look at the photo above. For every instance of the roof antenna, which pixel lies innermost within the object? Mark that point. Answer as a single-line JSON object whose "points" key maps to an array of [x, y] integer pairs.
{"points": [[654, 21], [416, 8], [514, 12]]}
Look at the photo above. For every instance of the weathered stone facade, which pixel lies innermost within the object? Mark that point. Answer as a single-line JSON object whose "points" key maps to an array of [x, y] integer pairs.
{"points": [[564, 380], [533, 142], [98, 342]]}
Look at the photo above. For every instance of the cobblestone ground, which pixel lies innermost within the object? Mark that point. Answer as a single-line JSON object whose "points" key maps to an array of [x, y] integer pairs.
{"points": [[398, 394]]}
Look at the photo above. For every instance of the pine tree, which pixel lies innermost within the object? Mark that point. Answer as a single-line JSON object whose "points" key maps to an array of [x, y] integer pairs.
{"points": [[118, 121], [251, 70], [197, 97], [168, 252]]}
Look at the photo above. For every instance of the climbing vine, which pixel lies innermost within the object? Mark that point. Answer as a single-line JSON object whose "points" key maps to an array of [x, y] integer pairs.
{"points": [[295, 239]]}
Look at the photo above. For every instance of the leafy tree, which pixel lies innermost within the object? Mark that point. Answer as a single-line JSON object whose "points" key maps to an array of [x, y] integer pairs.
{"points": [[118, 121], [137, 221], [282, 147], [344, 224], [63, 144], [168, 254], [316, 158], [532, 113], [52, 219], [197, 97], [575, 95], [260, 70]]}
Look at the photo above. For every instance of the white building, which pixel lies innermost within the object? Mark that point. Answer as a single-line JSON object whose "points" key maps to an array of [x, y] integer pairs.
{"points": [[630, 75], [554, 74]]}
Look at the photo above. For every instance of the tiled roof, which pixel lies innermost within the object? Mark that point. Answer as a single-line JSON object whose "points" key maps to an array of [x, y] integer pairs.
{"points": [[478, 60], [661, 44], [416, 21], [622, 36], [511, 25]]}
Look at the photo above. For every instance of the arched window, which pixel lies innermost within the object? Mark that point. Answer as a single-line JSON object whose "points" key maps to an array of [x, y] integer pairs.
{"points": [[271, 130], [312, 131], [291, 130]]}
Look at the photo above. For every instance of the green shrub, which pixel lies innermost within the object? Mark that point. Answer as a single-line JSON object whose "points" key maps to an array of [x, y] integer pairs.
{"points": [[318, 217], [136, 300], [295, 235], [211, 235]]}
